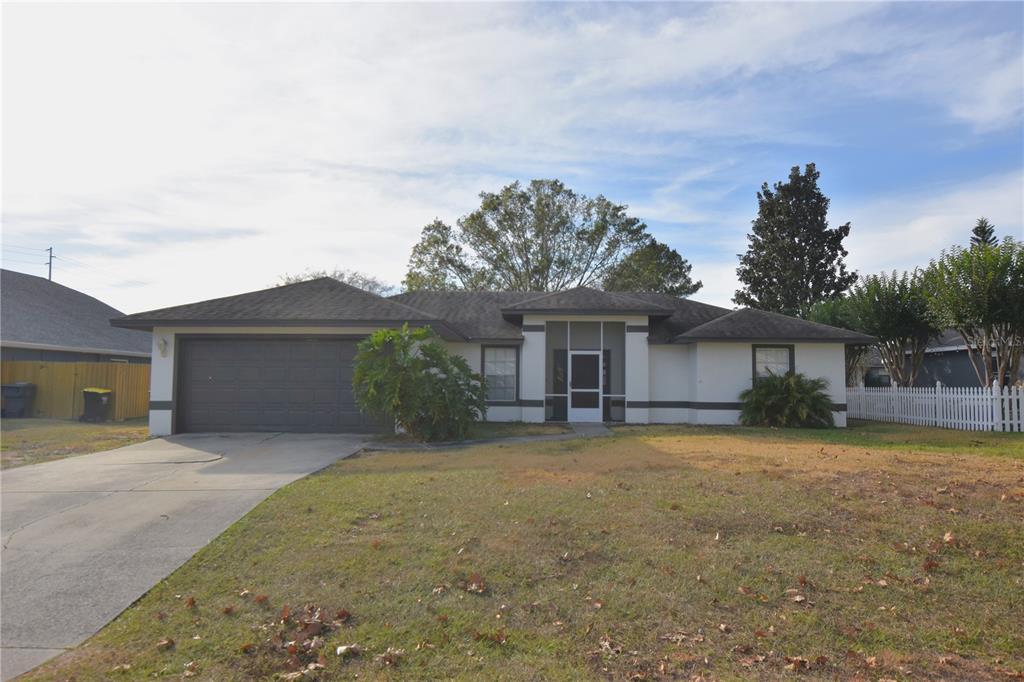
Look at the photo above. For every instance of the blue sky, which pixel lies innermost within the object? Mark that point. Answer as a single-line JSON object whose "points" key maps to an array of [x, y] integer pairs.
{"points": [[174, 153]]}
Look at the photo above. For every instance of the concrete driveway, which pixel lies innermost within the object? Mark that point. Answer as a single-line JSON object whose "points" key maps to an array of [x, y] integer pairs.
{"points": [[85, 537]]}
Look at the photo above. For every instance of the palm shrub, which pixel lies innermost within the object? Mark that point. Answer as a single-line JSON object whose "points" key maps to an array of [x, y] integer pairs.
{"points": [[789, 399], [410, 377]]}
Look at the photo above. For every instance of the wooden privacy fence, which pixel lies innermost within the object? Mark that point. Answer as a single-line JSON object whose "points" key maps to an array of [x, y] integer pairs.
{"points": [[966, 409], [59, 386]]}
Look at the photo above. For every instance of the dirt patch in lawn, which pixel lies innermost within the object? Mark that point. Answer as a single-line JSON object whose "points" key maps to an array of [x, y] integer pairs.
{"points": [[658, 553]]}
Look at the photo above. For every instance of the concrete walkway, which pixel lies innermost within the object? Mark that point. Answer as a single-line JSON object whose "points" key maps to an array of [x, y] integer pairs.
{"points": [[86, 536]]}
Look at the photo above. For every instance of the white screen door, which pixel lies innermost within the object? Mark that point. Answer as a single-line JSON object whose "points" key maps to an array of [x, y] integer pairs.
{"points": [[585, 386]]}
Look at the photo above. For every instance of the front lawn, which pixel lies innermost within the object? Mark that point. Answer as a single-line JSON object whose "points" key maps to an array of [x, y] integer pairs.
{"points": [[656, 553], [31, 441]]}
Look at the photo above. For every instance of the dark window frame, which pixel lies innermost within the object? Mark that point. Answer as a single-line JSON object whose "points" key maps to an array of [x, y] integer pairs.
{"points": [[483, 359], [753, 357]]}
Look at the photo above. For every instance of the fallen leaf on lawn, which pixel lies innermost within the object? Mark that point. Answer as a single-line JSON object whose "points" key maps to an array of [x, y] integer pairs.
{"points": [[228, 610], [439, 590], [948, 537], [476, 584], [796, 663], [743, 589], [347, 650], [124, 667], [390, 658], [191, 669], [190, 603], [165, 644], [675, 637], [724, 628], [246, 648], [286, 613]]}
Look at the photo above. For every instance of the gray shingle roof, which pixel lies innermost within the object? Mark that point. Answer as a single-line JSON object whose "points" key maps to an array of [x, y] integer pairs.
{"points": [[475, 314], [748, 324], [483, 315], [686, 315], [322, 301], [582, 300], [36, 311]]}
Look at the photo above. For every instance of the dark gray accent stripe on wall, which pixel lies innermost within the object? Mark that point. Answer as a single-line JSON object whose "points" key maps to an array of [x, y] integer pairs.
{"points": [[515, 403], [533, 327], [697, 405], [637, 328], [161, 404]]}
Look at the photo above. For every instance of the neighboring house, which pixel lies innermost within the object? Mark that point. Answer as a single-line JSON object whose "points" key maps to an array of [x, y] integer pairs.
{"points": [[281, 359], [48, 322], [946, 360]]}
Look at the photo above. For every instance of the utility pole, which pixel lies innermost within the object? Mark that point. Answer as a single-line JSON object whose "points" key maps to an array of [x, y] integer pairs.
{"points": [[49, 274]]}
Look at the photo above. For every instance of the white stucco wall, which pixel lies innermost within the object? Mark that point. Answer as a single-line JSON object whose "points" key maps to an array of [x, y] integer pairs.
{"points": [[725, 369]]}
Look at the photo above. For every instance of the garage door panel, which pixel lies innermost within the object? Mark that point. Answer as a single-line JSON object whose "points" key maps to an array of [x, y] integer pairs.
{"points": [[266, 384]]}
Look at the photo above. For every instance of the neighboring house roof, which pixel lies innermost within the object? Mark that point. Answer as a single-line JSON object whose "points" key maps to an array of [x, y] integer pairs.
{"points": [[585, 300], [38, 313], [483, 315], [949, 340], [317, 302], [748, 324]]}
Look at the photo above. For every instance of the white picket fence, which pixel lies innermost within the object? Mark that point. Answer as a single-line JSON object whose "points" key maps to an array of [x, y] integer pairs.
{"points": [[966, 409]]}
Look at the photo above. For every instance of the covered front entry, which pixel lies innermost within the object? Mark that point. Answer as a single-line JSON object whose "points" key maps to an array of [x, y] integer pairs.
{"points": [[261, 383], [585, 371]]}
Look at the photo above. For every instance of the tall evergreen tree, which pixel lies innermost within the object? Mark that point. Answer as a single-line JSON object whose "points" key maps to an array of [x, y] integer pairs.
{"points": [[794, 258], [984, 233]]}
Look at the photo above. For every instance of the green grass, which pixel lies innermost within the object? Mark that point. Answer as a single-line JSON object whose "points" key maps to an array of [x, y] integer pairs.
{"points": [[31, 441], [658, 553], [489, 430]]}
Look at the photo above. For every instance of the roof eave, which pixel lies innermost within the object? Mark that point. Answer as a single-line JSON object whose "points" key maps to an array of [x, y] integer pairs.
{"points": [[74, 349], [445, 330], [849, 341]]}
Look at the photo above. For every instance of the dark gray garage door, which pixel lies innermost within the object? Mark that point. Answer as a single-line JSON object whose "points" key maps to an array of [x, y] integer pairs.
{"points": [[268, 384]]}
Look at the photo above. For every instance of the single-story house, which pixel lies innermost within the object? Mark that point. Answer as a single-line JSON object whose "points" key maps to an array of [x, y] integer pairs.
{"points": [[44, 321], [946, 360], [281, 359]]}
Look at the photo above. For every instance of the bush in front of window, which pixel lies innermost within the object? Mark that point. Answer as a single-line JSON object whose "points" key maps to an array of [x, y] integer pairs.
{"points": [[410, 377], [790, 399]]}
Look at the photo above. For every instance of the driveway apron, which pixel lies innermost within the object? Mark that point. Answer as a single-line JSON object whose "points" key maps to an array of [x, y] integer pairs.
{"points": [[86, 536]]}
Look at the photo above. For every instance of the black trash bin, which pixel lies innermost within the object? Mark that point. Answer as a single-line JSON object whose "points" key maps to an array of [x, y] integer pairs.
{"points": [[17, 399], [97, 404]]}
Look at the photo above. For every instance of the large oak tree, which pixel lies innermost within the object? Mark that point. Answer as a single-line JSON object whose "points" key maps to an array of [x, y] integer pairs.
{"points": [[541, 237], [794, 258]]}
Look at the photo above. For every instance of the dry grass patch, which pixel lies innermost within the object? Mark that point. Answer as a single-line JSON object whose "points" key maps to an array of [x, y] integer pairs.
{"points": [[659, 553], [31, 441]]}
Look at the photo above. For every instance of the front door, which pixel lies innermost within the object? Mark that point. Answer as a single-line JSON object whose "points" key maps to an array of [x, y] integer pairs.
{"points": [[584, 386]]}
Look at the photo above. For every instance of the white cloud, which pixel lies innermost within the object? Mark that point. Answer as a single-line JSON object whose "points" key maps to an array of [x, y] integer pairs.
{"points": [[325, 135]]}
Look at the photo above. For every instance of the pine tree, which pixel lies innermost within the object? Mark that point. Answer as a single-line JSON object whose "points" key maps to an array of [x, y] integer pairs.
{"points": [[794, 259], [984, 233]]}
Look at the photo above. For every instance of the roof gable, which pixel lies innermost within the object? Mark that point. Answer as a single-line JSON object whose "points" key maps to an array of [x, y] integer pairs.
{"points": [[37, 311], [748, 324]]}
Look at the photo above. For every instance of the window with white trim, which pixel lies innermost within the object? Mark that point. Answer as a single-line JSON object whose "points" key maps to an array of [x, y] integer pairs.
{"points": [[772, 360], [500, 373]]}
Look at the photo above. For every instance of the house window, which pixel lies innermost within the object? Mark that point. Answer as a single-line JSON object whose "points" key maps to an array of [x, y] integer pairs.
{"points": [[500, 373], [772, 360]]}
